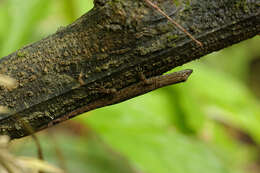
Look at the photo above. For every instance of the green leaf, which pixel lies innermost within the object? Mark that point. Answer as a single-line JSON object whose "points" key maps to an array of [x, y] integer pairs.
{"points": [[220, 94], [72, 9], [140, 129], [25, 15]]}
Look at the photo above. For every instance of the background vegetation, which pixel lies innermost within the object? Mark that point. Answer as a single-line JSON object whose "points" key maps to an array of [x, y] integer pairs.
{"points": [[211, 123]]}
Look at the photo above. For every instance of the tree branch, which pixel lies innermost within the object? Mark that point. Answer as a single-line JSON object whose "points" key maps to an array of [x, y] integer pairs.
{"points": [[107, 49]]}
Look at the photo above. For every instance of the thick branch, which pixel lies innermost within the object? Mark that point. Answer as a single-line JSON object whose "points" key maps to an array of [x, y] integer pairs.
{"points": [[107, 48]]}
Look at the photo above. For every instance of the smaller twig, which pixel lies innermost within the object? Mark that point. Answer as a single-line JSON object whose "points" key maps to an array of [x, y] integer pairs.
{"points": [[134, 90], [35, 139], [172, 21], [38, 146]]}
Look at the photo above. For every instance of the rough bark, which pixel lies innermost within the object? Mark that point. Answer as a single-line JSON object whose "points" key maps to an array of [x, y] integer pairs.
{"points": [[108, 47]]}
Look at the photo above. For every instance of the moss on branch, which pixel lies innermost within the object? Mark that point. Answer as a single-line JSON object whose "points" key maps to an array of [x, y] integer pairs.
{"points": [[107, 48]]}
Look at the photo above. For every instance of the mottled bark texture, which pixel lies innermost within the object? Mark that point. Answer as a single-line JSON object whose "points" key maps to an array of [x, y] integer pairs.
{"points": [[108, 47]]}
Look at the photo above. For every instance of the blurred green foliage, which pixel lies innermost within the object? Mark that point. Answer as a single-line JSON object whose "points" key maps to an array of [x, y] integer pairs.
{"points": [[211, 123]]}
